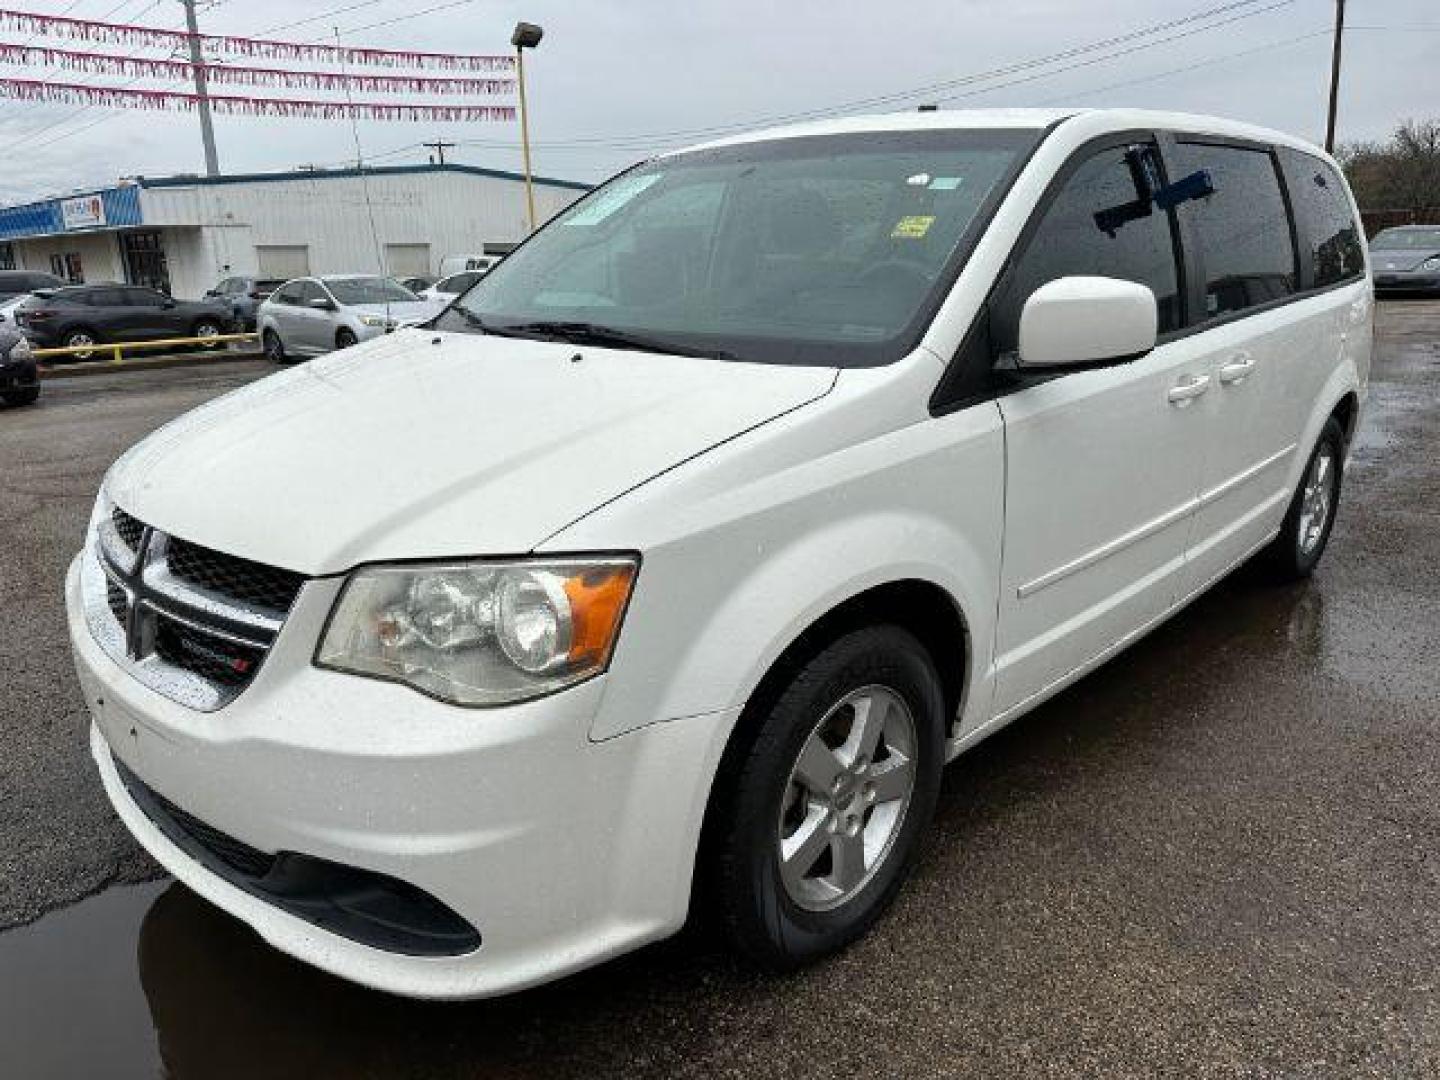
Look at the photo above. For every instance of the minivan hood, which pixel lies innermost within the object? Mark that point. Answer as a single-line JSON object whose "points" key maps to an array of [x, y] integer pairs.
{"points": [[424, 444]]}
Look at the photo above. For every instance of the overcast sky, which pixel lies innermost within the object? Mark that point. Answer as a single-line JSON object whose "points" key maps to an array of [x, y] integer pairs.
{"points": [[616, 80]]}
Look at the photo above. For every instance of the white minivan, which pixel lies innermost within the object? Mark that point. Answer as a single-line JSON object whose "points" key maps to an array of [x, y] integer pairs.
{"points": [[675, 559]]}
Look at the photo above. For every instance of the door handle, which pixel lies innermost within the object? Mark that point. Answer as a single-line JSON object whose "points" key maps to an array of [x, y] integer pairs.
{"points": [[1187, 389], [1238, 369]]}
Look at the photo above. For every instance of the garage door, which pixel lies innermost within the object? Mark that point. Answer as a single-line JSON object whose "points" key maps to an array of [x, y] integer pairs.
{"points": [[407, 260], [283, 261]]}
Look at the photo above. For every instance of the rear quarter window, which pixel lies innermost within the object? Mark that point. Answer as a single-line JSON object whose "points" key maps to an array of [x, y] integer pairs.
{"points": [[1241, 229], [1329, 234]]}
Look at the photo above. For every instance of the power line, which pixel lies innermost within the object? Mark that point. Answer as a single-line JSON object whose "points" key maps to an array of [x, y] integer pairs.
{"points": [[317, 18]]}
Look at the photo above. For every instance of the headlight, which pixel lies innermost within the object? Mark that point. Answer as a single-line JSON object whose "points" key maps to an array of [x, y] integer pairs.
{"points": [[377, 320], [480, 633], [1432, 263], [21, 350]]}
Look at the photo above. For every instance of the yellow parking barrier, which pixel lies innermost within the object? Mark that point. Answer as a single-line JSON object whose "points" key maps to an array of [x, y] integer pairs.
{"points": [[117, 349]]}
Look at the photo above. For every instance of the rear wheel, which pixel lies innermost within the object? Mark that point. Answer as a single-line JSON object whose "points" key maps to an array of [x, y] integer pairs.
{"points": [[78, 339], [821, 818], [1296, 552], [274, 347], [206, 328], [345, 337]]}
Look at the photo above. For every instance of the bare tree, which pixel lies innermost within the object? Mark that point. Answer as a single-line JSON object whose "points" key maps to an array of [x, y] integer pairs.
{"points": [[1402, 173]]}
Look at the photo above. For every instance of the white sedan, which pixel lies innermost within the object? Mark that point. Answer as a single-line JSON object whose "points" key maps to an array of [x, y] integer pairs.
{"points": [[448, 288]]}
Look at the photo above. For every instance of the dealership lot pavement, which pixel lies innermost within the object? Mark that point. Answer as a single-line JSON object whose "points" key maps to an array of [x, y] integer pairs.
{"points": [[1218, 856]]}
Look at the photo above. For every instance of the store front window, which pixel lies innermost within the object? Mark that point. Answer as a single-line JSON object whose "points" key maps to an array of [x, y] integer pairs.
{"points": [[145, 260], [7, 256], [69, 267]]}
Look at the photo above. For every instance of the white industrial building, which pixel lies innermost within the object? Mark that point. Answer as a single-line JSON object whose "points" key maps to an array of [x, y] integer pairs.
{"points": [[182, 234]]}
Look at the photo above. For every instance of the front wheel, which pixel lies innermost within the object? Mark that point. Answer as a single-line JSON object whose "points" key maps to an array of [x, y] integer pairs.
{"points": [[345, 337], [27, 396], [820, 820], [274, 347], [1296, 552]]}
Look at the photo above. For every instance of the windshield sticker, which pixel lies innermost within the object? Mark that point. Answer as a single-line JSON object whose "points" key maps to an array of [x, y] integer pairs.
{"points": [[912, 228], [611, 199]]}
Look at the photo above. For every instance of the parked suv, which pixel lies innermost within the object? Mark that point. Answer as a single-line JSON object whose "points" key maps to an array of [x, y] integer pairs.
{"points": [[682, 551], [79, 316], [242, 297]]}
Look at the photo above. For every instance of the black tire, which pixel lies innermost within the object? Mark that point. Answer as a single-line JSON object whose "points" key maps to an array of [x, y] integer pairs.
{"points": [[274, 347], [207, 328], [345, 337], [73, 339], [28, 396], [1296, 551], [756, 907]]}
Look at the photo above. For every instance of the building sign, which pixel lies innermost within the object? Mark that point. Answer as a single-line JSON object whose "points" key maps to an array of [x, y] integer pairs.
{"points": [[86, 212]]}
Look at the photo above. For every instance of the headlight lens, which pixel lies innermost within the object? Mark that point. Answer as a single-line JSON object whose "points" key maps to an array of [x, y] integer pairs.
{"points": [[480, 633], [21, 350], [1432, 263], [376, 320]]}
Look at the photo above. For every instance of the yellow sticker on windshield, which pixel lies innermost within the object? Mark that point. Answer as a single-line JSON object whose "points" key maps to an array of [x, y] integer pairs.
{"points": [[912, 228]]}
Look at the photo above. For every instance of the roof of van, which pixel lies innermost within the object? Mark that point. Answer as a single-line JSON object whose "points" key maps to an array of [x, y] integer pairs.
{"points": [[942, 119]]}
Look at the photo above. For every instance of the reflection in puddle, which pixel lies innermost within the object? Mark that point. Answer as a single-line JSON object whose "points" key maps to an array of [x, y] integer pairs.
{"points": [[70, 997]]}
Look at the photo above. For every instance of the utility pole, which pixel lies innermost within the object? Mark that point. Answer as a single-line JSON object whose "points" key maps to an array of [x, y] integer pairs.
{"points": [[1335, 76], [202, 92], [439, 146]]}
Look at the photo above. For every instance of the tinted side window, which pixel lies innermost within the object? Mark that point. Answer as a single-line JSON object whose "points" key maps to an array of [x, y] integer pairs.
{"points": [[311, 291], [143, 298], [1322, 212], [1242, 228], [105, 298], [1102, 222], [289, 294]]}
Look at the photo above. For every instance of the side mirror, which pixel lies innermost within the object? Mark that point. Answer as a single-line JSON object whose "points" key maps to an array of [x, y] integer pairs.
{"points": [[1077, 321], [320, 303]]}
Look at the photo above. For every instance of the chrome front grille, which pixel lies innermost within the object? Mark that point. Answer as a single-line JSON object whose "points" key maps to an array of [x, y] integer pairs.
{"points": [[191, 623]]}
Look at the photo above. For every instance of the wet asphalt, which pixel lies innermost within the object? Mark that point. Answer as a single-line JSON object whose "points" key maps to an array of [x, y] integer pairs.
{"points": [[1217, 856]]}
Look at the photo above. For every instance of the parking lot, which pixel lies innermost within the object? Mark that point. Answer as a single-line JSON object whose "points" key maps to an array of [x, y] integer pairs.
{"points": [[1217, 856]]}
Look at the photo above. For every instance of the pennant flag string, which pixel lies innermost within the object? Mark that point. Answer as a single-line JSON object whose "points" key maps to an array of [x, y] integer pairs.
{"points": [[233, 75], [172, 100], [126, 34]]}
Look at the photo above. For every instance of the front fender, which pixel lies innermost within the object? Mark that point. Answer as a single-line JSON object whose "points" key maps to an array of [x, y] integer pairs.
{"points": [[732, 576]]}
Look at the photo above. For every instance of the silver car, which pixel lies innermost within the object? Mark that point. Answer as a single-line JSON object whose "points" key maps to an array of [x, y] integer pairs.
{"points": [[314, 315], [1406, 259]]}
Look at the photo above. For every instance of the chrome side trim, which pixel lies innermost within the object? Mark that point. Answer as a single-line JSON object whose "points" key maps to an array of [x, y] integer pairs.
{"points": [[1112, 547], [1150, 528]]}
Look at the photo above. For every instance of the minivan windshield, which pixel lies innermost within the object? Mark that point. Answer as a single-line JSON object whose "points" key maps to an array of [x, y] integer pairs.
{"points": [[369, 290], [829, 250], [1406, 240]]}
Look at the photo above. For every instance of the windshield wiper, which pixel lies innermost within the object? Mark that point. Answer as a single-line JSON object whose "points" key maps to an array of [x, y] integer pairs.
{"points": [[586, 333]]}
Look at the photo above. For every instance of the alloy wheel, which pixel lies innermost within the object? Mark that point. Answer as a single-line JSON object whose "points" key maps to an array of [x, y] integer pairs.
{"points": [[1317, 500], [846, 798]]}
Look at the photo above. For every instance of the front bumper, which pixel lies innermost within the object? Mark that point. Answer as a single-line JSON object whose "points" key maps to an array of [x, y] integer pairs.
{"points": [[559, 850], [1407, 281]]}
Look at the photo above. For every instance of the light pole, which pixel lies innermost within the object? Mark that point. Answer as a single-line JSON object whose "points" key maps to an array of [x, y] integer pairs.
{"points": [[526, 36]]}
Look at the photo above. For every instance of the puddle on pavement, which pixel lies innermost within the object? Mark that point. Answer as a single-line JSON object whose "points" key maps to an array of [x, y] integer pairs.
{"points": [[152, 981]]}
